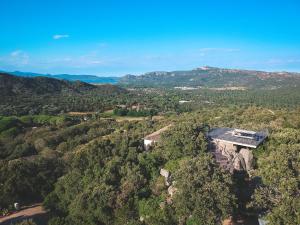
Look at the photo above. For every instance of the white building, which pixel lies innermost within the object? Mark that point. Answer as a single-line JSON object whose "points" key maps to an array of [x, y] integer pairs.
{"points": [[153, 138]]}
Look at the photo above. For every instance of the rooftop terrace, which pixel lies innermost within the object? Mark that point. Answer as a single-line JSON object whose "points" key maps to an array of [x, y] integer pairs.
{"points": [[245, 138]]}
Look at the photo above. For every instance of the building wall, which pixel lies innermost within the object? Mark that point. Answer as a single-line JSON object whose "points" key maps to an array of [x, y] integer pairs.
{"points": [[148, 143], [224, 146], [240, 157]]}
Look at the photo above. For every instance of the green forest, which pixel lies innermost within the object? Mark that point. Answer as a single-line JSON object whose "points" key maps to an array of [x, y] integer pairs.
{"points": [[88, 166]]}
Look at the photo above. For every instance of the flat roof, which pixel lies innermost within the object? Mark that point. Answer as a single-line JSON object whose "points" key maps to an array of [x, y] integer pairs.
{"points": [[228, 135]]}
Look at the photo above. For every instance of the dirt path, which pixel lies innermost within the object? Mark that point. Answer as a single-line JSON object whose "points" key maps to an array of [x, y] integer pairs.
{"points": [[35, 212], [271, 111]]}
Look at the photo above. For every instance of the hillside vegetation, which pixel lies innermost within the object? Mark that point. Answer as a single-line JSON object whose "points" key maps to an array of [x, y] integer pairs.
{"points": [[83, 78], [78, 148], [13, 85], [97, 172], [23, 95]]}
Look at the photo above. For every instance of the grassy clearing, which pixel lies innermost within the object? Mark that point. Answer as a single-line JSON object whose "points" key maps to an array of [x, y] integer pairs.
{"points": [[80, 113], [110, 114], [128, 118]]}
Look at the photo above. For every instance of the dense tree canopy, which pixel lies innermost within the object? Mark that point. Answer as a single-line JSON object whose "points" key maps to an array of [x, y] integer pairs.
{"points": [[92, 168], [205, 193], [278, 197]]}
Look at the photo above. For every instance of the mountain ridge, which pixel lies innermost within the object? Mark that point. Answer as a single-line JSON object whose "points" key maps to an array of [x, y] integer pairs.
{"points": [[213, 77], [70, 77], [206, 76], [11, 85]]}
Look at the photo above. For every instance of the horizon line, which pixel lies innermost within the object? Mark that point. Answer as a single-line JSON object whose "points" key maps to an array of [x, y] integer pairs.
{"points": [[152, 71]]}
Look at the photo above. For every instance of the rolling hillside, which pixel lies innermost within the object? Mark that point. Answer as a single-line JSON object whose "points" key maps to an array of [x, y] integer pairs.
{"points": [[84, 78], [13, 85], [44, 95]]}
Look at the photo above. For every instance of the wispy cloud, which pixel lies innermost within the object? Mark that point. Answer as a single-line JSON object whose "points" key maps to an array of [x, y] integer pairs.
{"points": [[278, 61], [206, 50], [15, 59], [16, 53], [60, 36], [91, 59], [102, 44], [18, 57]]}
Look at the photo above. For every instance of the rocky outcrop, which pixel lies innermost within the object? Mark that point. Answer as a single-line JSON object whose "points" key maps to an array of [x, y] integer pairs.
{"points": [[167, 175], [238, 161], [242, 160], [172, 190], [248, 158]]}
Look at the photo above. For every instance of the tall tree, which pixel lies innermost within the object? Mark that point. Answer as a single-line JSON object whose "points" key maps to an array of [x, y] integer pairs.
{"points": [[204, 192]]}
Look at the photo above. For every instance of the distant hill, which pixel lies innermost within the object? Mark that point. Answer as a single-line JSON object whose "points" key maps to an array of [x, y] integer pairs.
{"points": [[203, 77], [11, 85], [213, 77], [45, 95], [84, 78]]}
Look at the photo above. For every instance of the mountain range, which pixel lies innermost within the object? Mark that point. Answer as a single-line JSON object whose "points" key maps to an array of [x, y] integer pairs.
{"points": [[213, 77], [84, 78], [203, 77], [11, 85]]}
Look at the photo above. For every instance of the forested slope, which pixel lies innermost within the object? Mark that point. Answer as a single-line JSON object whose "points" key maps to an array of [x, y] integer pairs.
{"points": [[83, 78], [13, 85], [97, 172], [90, 166], [23, 95]]}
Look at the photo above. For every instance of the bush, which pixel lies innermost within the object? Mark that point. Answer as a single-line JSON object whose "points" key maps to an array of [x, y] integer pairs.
{"points": [[7, 122], [26, 222]]}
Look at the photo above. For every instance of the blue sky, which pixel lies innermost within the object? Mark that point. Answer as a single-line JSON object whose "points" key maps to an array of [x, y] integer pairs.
{"points": [[118, 37]]}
